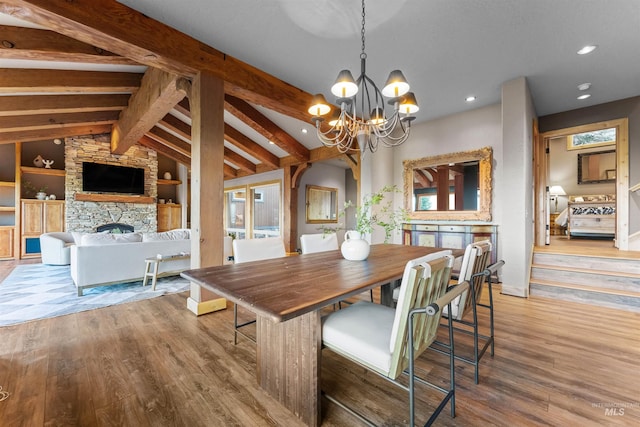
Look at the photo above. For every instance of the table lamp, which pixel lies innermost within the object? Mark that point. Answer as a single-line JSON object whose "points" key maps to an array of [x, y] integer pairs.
{"points": [[557, 190]]}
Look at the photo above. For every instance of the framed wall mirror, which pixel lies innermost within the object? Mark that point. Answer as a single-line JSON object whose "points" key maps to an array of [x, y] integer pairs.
{"points": [[597, 167], [322, 205], [455, 186]]}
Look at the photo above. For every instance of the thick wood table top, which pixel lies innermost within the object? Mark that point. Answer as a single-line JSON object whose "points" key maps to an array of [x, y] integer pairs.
{"points": [[284, 288]]}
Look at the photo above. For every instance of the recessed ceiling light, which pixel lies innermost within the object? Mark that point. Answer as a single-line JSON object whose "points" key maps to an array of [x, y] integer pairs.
{"points": [[584, 86], [587, 49], [304, 130], [585, 96], [272, 143], [470, 98]]}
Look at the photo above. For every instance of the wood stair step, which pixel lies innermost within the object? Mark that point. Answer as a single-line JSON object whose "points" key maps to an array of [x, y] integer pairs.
{"points": [[585, 288], [587, 271]]}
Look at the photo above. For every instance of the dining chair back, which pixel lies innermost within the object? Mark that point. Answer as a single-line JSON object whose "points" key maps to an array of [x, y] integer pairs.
{"points": [[476, 258], [247, 250], [320, 242], [387, 340]]}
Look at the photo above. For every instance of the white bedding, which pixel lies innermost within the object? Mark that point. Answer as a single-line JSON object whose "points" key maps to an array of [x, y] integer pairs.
{"points": [[563, 218]]}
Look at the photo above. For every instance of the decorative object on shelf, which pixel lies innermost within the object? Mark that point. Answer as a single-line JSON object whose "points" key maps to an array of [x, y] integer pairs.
{"points": [[161, 201], [47, 163], [170, 201], [363, 122], [370, 213], [52, 196], [354, 247], [167, 175], [38, 161], [57, 141], [41, 195], [31, 190]]}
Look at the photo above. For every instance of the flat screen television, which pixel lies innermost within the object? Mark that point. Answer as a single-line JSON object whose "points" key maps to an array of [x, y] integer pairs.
{"points": [[98, 177]]}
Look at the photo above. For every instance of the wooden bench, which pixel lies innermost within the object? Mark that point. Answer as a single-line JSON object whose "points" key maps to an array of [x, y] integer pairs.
{"points": [[152, 265]]}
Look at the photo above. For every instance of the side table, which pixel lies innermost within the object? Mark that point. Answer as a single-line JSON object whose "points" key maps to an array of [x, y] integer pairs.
{"points": [[153, 263]]}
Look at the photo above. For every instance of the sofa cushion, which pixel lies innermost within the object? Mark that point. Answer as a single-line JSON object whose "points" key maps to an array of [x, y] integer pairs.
{"points": [[177, 234], [93, 239], [77, 236]]}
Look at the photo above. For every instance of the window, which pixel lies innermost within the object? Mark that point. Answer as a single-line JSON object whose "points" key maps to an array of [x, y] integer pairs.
{"points": [[258, 219], [596, 138]]}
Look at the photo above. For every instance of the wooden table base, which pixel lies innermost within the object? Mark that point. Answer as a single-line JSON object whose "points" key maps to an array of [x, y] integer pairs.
{"points": [[288, 365]]}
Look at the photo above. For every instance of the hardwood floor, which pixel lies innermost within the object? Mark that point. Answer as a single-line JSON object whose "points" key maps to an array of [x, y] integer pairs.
{"points": [[153, 363]]}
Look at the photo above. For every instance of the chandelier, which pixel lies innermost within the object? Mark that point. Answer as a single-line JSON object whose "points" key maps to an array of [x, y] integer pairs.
{"points": [[363, 120]]}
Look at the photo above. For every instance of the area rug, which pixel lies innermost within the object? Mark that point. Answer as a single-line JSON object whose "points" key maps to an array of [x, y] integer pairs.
{"points": [[39, 291]]}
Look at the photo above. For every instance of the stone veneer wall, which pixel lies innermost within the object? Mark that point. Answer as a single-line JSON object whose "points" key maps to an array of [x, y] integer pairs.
{"points": [[86, 216]]}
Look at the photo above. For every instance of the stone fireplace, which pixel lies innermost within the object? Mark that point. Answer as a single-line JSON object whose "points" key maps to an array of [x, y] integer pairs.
{"points": [[86, 215]]}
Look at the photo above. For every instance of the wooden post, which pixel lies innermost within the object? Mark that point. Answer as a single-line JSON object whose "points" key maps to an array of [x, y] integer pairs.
{"points": [[207, 185]]}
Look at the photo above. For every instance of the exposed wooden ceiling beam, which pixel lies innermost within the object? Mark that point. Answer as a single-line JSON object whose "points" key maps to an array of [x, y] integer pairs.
{"points": [[15, 80], [238, 139], [176, 125], [122, 30], [229, 172], [48, 121], [170, 140], [422, 178], [159, 92], [315, 155], [241, 162], [261, 124], [48, 104], [164, 150], [51, 133], [45, 45]]}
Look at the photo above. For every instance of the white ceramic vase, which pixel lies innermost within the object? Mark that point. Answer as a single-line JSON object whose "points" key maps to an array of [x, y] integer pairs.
{"points": [[41, 195], [354, 247], [167, 175]]}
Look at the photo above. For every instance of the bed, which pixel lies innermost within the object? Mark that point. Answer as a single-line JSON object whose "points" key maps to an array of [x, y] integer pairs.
{"points": [[590, 216]]}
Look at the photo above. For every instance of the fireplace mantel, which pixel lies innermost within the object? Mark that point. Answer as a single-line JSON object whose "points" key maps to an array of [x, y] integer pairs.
{"points": [[117, 198]]}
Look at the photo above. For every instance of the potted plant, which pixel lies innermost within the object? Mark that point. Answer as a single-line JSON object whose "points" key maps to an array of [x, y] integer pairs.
{"points": [[373, 212], [31, 190]]}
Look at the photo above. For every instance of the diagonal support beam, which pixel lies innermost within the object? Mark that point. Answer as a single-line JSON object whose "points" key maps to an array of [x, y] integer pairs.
{"points": [[159, 92]]}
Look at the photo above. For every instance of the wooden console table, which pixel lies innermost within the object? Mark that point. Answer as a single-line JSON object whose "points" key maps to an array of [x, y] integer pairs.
{"points": [[152, 265]]}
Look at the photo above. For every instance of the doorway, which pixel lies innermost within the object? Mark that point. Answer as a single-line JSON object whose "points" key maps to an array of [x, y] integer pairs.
{"points": [[558, 187]]}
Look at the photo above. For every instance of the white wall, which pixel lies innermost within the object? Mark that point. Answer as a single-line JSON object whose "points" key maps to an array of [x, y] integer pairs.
{"points": [[466, 131], [326, 176], [516, 225]]}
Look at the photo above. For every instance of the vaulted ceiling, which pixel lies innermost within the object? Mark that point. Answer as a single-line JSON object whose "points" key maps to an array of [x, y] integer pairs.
{"points": [[71, 87]]}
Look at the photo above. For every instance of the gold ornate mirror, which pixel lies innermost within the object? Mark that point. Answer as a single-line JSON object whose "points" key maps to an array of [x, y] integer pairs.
{"points": [[322, 205], [454, 186]]}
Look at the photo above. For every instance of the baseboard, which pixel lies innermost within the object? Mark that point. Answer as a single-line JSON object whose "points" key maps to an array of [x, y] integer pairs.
{"points": [[516, 292], [204, 307]]}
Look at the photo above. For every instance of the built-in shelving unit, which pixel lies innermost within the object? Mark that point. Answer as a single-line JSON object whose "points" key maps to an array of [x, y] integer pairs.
{"points": [[169, 182], [42, 171]]}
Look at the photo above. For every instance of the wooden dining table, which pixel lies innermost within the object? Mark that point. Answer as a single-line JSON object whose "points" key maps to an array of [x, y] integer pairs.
{"points": [[287, 294]]}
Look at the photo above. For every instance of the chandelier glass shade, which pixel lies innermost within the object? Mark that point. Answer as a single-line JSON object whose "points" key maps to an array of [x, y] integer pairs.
{"points": [[365, 116]]}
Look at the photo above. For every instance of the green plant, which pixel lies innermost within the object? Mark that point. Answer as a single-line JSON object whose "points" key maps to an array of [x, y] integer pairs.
{"points": [[31, 190], [374, 211]]}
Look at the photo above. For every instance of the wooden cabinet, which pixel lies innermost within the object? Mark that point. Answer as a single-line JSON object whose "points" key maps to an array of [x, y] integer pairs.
{"points": [[169, 216], [6, 242], [38, 217], [454, 236]]}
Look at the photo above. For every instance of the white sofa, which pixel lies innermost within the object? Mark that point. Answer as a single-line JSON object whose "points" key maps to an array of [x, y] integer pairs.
{"points": [[104, 263], [56, 248]]}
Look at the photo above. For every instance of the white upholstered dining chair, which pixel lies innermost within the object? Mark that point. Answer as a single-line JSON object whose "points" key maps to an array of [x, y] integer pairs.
{"points": [[320, 242], [387, 340], [247, 250]]}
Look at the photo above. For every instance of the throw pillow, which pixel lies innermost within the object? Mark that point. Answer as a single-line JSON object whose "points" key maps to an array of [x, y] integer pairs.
{"points": [[177, 234], [93, 239]]}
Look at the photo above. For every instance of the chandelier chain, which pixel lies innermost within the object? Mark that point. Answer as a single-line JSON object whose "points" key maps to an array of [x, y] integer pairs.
{"points": [[363, 54]]}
